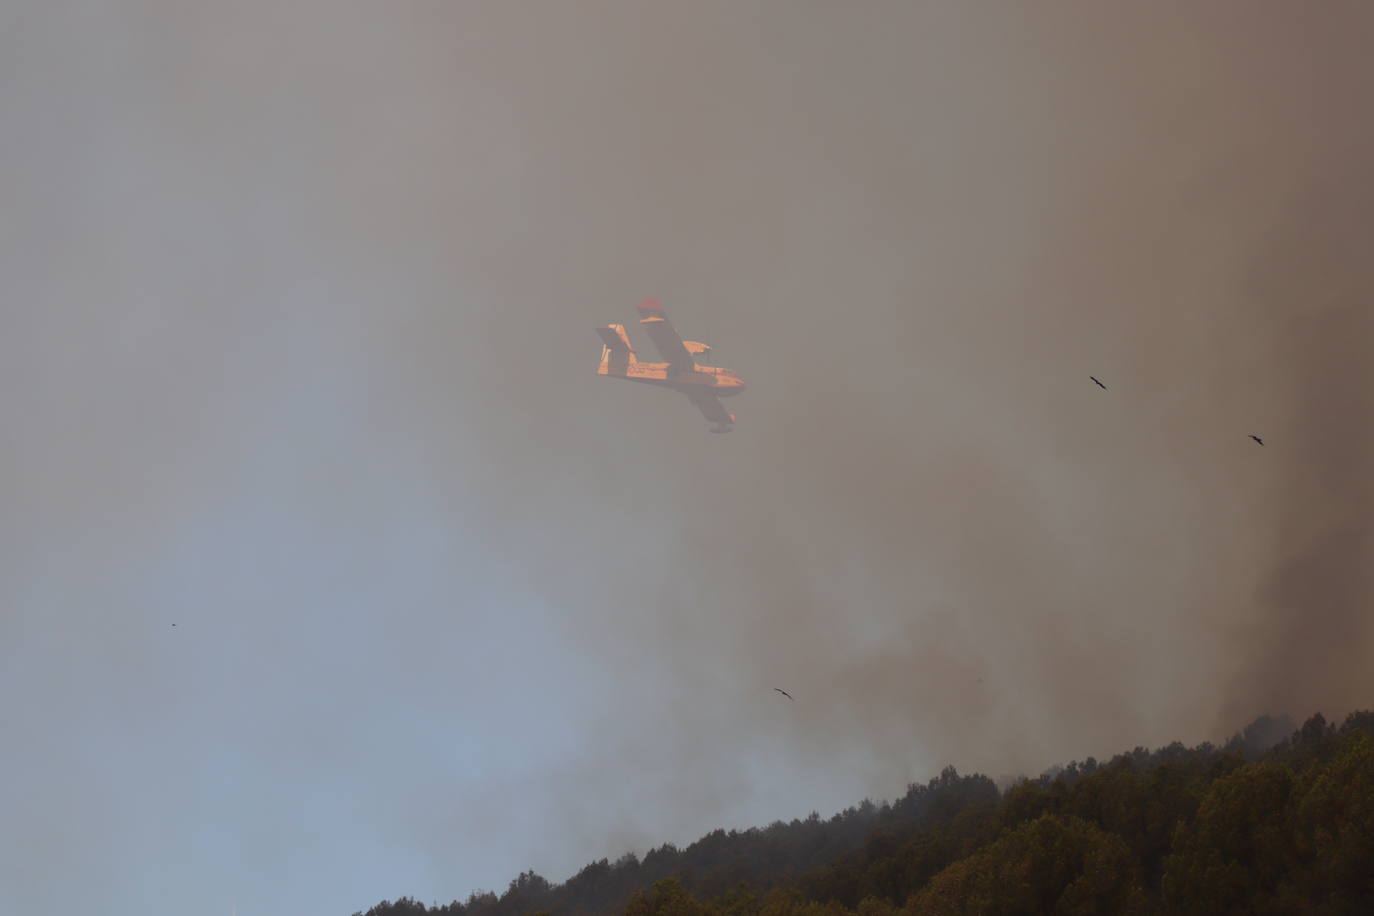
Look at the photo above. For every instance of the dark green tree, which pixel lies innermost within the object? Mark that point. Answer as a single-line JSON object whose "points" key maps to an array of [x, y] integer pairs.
{"points": [[1054, 864]]}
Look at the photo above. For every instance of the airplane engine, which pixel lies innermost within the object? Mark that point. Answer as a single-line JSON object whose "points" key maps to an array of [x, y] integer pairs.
{"points": [[697, 348]]}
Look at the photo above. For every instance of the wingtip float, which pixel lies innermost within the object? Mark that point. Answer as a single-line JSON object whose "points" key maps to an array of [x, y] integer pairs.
{"points": [[703, 385]]}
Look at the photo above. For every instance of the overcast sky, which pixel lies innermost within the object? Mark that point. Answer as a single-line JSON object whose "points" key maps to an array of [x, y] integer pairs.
{"points": [[330, 571]]}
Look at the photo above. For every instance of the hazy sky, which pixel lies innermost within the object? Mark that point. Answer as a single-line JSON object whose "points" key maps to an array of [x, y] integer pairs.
{"points": [[297, 355]]}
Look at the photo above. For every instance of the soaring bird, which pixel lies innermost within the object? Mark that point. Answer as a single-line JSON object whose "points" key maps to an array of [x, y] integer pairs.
{"points": [[1099, 382], [1258, 439], [783, 692]]}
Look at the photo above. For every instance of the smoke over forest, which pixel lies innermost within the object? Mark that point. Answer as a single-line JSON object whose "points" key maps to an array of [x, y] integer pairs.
{"points": [[299, 355]]}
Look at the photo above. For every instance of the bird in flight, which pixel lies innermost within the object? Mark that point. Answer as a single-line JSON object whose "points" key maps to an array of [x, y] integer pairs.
{"points": [[1258, 439], [1099, 382], [783, 692]]}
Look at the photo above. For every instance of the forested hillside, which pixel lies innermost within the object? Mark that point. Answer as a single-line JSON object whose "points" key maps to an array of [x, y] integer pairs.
{"points": [[1249, 827]]}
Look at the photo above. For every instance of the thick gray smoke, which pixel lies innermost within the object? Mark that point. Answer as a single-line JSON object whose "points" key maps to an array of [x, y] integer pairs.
{"points": [[298, 354]]}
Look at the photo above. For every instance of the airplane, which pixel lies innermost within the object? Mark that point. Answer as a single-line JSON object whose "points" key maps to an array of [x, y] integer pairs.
{"points": [[703, 385]]}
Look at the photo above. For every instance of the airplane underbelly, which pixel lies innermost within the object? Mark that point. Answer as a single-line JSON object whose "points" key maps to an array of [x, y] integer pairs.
{"points": [[660, 382]]}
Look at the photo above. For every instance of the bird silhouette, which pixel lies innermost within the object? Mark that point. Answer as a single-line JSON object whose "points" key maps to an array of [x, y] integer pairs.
{"points": [[783, 692], [1258, 439], [1099, 383]]}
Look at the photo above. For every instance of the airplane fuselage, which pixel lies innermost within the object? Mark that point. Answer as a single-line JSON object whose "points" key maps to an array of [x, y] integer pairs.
{"points": [[721, 382]]}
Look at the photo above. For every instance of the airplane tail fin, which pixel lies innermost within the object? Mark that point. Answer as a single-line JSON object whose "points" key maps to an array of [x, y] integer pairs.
{"points": [[617, 355]]}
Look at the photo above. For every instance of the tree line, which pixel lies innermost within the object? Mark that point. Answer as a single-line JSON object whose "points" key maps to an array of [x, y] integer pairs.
{"points": [[1251, 826]]}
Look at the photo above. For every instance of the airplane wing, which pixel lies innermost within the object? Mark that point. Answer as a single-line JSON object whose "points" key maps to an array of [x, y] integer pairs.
{"points": [[665, 338], [711, 407]]}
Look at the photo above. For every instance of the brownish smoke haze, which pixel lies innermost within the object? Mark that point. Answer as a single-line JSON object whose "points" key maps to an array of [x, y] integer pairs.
{"points": [[915, 230]]}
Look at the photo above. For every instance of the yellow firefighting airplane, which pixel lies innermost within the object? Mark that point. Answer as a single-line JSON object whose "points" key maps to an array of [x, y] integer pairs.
{"points": [[703, 385]]}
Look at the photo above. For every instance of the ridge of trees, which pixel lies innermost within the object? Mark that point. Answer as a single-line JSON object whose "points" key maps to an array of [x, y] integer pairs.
{"points": [[1262, 824]]}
